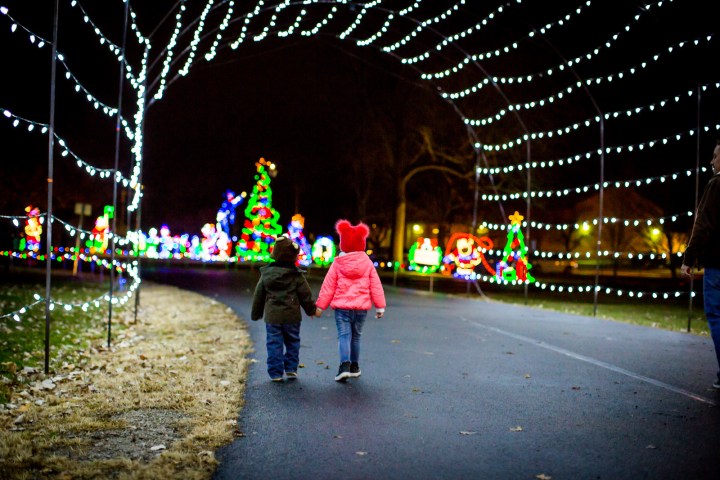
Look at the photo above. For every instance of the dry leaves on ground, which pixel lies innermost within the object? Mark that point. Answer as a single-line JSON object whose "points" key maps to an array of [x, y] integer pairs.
{"points": [[154, 405]]}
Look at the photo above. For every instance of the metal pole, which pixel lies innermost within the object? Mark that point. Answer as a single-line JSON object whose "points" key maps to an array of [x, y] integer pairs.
{"points": [[527, 213], [118, 127], [600, 214], [697, 196], [77, 241], [138, 216], [50, 178]]}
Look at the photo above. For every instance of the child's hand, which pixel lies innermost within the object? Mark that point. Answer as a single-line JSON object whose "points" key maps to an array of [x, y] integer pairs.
{"points": [[379, 314], [318, 312]]}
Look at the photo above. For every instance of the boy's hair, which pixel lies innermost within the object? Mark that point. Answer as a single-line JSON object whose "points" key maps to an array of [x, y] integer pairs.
{"points": [[285, 250]]}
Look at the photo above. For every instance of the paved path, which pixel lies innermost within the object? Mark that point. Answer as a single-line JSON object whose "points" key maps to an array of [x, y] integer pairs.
{"points": [[459, 388]]}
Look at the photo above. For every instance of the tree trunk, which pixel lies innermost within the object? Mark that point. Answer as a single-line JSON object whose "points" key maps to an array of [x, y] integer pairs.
{"points": [[399, 233]]}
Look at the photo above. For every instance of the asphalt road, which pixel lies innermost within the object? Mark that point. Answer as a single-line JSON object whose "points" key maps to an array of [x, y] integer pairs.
{"points": [[460, 388]]}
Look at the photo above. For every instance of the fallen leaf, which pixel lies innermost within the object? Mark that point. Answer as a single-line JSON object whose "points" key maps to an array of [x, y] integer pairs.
{"points": [[337, 436], [19, 419], [575, 388], [527, 375], [362, 454], [395, 341], [319, 362], [416, 390], [516, 429], [652, 447], [302, 365], [463, 432], [542, 476], [158, 447], [509, 353]]}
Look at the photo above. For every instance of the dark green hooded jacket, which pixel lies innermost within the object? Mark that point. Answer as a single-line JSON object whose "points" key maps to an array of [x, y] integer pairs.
{"points": [[279, 294]]}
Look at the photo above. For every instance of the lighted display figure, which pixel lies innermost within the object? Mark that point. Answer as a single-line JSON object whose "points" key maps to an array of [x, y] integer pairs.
{"points": [[324, 251], [98, 241], [261, 219], [33, 228], [466, 252], [425, 256], [152, 243], [514, 265], [226, 215], [295, 230]]}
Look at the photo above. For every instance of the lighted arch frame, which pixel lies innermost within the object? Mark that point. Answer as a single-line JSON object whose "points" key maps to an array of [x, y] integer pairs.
{"points": [[198, 25]]}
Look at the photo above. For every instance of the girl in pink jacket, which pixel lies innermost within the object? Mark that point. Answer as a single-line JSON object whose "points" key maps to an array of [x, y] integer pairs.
{"points": [[351, 287]]}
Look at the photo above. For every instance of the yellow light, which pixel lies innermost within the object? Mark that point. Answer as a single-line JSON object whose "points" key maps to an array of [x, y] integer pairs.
{"points": [[417, 229], [585, 227], [655, 232], [435, 231]]}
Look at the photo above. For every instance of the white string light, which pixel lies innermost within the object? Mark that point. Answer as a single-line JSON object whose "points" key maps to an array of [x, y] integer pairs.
{"points": [[588, 188], [223, 26], [248, 19], [320, 24], [196, 38], [358, 19], [406, 39], [170, 52]]}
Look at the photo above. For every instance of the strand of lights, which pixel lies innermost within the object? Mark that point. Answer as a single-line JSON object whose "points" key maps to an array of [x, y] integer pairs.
{"points": [[605, 254], [170, 52], [96, 103], [133, 26], [403, 41], [587, 155], [320, 24], [638, 146], [584, 189], [358, 19], [248, 18], [196, 38], [487, 55], [278, 8], [514, 45], [137, 148], [589, 122], [295, 24], [16, 314], [570, 89], [212, 53], [35, 39], [586, 224], [18, 120], [530, 77], [383, 30], [114, 49]]}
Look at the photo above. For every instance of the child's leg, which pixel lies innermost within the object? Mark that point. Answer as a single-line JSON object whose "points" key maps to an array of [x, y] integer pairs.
{"points": [[291, 335], [342, 321], [274, 345], [357, 324]]}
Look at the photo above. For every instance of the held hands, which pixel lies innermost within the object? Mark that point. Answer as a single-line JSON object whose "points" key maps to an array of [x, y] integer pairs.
{"points": [[318, 312], [686, 270]]}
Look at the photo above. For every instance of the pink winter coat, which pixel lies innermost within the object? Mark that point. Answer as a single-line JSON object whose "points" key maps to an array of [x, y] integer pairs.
{"points": [[351, 284]]}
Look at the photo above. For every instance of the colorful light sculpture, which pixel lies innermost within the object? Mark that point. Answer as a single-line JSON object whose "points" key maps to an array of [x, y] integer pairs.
{"points": [[261, 219], [465, 252], [295, 229], [324, 251], [514, 265], [33, 228], [98, 241], [425, 256], [226, 214]]}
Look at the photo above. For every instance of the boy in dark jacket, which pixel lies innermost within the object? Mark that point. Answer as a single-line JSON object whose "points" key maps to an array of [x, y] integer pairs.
{"points": [[279, 294]]}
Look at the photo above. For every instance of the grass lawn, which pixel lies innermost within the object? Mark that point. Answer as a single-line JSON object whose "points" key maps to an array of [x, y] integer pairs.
{"points": [[665, 314], [22, 343]]}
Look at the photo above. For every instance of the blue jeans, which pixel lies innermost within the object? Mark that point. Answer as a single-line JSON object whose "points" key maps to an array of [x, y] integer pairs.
{"points": [[279, 359], [711, 292], [349, 327]]}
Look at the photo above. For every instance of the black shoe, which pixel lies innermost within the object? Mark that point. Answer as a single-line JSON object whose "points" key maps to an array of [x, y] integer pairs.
{"points": [[343, 372], [355, 370]]}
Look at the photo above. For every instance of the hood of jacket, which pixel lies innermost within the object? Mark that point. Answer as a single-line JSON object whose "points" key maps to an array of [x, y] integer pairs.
{"points": [[353, 265]]}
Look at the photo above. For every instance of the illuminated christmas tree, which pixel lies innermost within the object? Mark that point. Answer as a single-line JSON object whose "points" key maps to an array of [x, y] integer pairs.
{"points": [[514, 265], [261, 220], [295, 229]]}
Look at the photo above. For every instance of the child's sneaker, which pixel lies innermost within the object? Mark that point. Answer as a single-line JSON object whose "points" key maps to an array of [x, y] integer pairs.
{"points": [[291, 375], [343, 372], [716, 384], [355, 370], [276, 380]]}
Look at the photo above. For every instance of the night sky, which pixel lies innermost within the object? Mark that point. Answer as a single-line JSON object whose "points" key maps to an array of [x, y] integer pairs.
{"points": [[314, 105]]}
